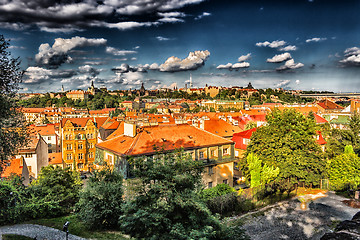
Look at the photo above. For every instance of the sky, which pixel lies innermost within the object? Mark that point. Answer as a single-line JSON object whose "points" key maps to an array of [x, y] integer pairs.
{"points": [[120, 44]]}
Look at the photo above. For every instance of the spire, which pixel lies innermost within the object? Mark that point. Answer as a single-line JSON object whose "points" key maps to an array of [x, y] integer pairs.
{"points": [[62, 88], [190, 84], [92, 83]]}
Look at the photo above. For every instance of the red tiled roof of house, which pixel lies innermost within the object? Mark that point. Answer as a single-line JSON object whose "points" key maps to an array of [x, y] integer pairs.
{"points": [[13, 167], [55, 158], [321, 140], [44, 130], [32, 110], [302, 109], [220, 127], [32, 144], [238, 138], [167, 137], [118, 132], [329, 105], [320, 119], [110, 124], [81, 122]]}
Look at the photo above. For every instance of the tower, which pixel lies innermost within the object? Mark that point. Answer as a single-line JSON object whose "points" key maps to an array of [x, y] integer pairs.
{"points": [[190, 83], [62, 88]]}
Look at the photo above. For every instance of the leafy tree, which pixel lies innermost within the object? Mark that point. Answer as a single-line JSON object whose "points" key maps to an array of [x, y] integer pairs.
{"points": [[250, 125], [288, 142], [59, 185], [165, 203], [218, 190], [13, 130], [101, 200], [345, 170], [260, 174]]}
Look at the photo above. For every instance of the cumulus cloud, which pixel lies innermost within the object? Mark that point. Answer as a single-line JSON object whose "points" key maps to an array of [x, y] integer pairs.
{"points": [[57, 54], [224, 66], [288, 48], [37, 75], [204, 14], [351, 57], [290, 64], [241, 65], [125, 68], [315, 39], [273, 44], [244, 58], [192, 62], [279, 58], [126, 78], [297, 82], [65, 16], [117, 52], [283, 83]]}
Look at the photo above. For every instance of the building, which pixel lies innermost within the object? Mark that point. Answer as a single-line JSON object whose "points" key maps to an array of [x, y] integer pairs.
{"points": [[50, 136], [55, 159], [78, 94], [219, 105], [216, 152], [35, 154], [16, 166], [327, 106], [78, 139]]}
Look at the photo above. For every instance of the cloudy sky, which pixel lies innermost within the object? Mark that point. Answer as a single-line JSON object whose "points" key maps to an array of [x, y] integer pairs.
{"points": [[297, 44]]}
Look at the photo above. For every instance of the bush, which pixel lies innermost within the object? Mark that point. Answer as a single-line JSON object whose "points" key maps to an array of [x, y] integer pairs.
{"points": [[101, 200]]}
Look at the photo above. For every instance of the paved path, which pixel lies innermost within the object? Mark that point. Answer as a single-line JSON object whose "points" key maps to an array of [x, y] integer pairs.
{"points": [[286, 220], [37, 231]]}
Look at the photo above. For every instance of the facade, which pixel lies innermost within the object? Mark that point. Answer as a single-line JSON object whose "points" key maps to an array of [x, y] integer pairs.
{"points": [[217, 153], [50, 136], [222, 104], [79, 136], [35, 154], [78, 94]]}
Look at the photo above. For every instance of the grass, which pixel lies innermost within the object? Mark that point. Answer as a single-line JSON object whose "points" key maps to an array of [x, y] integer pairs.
{"points": [[78, 228], [15, 237]]}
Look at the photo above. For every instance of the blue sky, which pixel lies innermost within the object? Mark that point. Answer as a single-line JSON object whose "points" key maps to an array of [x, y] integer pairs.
{"points": [[299, 44]]}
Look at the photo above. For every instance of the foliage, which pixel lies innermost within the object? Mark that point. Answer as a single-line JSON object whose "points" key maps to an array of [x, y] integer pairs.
{"points": [[166, 203], [101, 200], [288, 142], [345, 170], [218, 190], [13, 131], [57, 185], [260, 174]]}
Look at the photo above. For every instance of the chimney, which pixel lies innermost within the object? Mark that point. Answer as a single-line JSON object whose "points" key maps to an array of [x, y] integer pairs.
{"points": [[130, 129]]}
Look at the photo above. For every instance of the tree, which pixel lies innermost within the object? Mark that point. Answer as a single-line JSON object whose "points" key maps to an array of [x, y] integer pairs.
{"points": [[101, 200], [344, 170], [260, 174], [59, 185], [288, 142], [13, 130], [165, 203]]}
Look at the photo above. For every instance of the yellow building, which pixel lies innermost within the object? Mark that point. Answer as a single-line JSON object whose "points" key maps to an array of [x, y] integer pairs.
{"points": [[78, 94], [222, 104], [78, 139]]}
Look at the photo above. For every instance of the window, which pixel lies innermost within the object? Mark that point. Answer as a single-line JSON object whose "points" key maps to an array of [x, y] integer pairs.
{"points": [[201, 155], [90, 154], [212, 153], [49, 138], [80, 146], [210, 184], [246, 141], [68, 156], [79, 136], [225, 151], [49, 145], [68, 146], [110, 159], [211, 170], [225, 181], [80, 165], [67, 137], [69, 166], [28, 155], [80, 156], [91, 145]]}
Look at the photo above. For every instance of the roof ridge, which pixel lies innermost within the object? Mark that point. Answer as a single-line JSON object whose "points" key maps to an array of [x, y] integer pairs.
{"points": [[133, 143], [211, 133]]}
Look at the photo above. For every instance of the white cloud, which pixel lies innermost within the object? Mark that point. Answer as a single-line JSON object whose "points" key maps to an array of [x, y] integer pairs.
{"points": [[192, 62], [56, 55], [160, 38], [290, 64], [352, 57], [273, 44], [241, 65], [222, 66], [117, 52], [279, 58], [283, 83], [315, 39], [288, 48], [204, 14], [171, 14], [244, 58], [297, 82]]}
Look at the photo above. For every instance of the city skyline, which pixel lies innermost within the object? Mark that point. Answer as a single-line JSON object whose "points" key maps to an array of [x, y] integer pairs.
{"points": [[302, 44]]}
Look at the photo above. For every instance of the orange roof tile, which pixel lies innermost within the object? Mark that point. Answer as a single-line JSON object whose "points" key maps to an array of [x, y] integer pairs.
{"points": [[55, 158], [220, 127], [167, 137], [44, 130], [32, 110], [118, 132], [329, 105], [12, 167], [81, 122]]}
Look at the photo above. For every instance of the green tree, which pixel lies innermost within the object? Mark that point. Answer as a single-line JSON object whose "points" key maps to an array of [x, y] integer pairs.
{"points": [[288, 142], [59, 185], [344, 170], [260, 174], [13, 130], [165, 203], [101, 200]]}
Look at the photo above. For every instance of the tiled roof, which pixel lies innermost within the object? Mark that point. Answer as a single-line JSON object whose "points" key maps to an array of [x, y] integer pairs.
{"points": [[32, 110], [167, 137], [329, 105], [118, 132], [81, 122], [14, 166], [44, 130], [110, 124], [220, 127], [239, 137], [33, 142], [302, 109], [321, 140], [320, 119], [55, 158]]}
